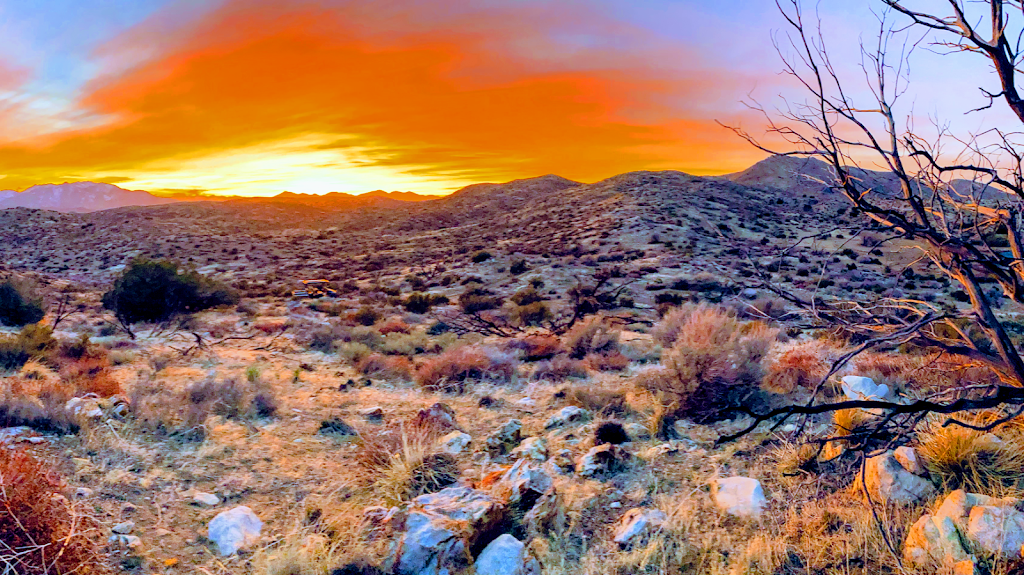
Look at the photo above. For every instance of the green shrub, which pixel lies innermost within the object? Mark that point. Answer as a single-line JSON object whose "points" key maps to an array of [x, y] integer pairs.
{"points": [[481, 256], [518, 267], [154, 290], [526, 296], [530, 314], [18, 305]]}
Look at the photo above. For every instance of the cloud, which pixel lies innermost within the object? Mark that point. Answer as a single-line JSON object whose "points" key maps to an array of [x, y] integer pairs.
{"points": [[421, 88]]}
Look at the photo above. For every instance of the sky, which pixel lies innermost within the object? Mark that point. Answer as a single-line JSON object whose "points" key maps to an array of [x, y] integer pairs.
{"points": [[256, 97]]}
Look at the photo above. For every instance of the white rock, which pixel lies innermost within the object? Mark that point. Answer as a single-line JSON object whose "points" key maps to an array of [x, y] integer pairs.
{"points": [[123, 528], [235, 529], [129, 542], [567, 416], [887, 480], [524, 481], [506, 438], [739, 496], [506, 555], [527, 402], [856, 387], [84, 406], [636, 523], [83, 492], [207, 499], [455, 442]]}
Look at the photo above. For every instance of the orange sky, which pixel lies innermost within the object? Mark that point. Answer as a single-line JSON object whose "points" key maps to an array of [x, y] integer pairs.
{"points": [[315, 96]]}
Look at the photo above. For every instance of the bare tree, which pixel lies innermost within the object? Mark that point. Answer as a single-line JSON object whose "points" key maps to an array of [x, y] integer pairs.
{"points": [[955, 197]]}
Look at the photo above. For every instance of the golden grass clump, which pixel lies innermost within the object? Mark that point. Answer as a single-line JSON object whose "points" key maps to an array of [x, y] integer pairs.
{"points": [[590, 335], [977, 461], [402, 463], [450, 370]]}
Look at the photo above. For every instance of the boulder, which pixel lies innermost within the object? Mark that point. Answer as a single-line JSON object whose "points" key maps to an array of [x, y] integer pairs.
{"points": [[523, 484], [568, 416], [886, 480], [87, 406], [442, 528], [907, 456], [637, 523], [997, 531], [603, 461], [235, 529], [739, 496], [534, 448], [123, 528], [438, 416], [506, 438], [455, 442], [856, 387], [506, 555], [208, 499], [965, 521]]}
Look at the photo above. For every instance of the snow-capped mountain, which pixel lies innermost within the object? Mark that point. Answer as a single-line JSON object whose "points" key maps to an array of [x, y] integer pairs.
{"points": [[78, 197]]}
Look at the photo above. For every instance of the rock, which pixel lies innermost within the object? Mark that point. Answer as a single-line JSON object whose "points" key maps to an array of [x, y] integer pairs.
{"points": [[562, 463], [125, 542], [207, 499], [506, 555], [638, 432], [637, 523], [373, 414], [438, 416], [548, 515], [997, 531], [886, 480], [534, 448], [856, 387], [506, 438], [749, 293], [567, 416], [123, 528], [907, 456], [83, 493], [235, 529], [84, 407], [527, 402], [455, 442], [523, 484], [603, 461], [15, 434], [337, 426], [963, 521], [739, 496], [442, 527]]}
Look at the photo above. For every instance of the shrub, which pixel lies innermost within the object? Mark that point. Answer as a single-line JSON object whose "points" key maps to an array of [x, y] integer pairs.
{"points": [[560, 367], [536, 347], [422, 302], [366, 315], [353, 351], [38, 403], [323, 338], [184, 413], [18, 304], [801, 366], [531, 314], [387, 367], [42, 528], [408, 344], [614, 361], [481, 256], [477, 299], [591, 335], [403, 462], [32, 341], [151, 290], [450, 370], [393, 325], [526, 296], [715, 362], [518, 267]]}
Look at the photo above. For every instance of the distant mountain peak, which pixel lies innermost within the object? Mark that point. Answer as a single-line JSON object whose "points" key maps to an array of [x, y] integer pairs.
{"points": [[79, 197]]}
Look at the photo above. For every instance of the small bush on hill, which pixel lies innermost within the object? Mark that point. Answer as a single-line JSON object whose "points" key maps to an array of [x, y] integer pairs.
{"points": [[366, 315], [592, 335], [481, 256], [422, 302], [32, 341], [154, 290], [449, 371], [386, 366], [518, 267], [18, 304], [42, 531], [477, 299], [533, 314]]}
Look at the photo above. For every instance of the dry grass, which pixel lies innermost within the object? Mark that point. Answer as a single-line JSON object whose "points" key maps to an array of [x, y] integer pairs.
{"points": [[397, 367], [404, 462], [37, 401], [42, 532], [980, 462], [559, 368], [800, 366]]}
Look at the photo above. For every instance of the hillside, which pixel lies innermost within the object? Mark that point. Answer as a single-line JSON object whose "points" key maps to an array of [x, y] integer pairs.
{"points": [[79, 197]]}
